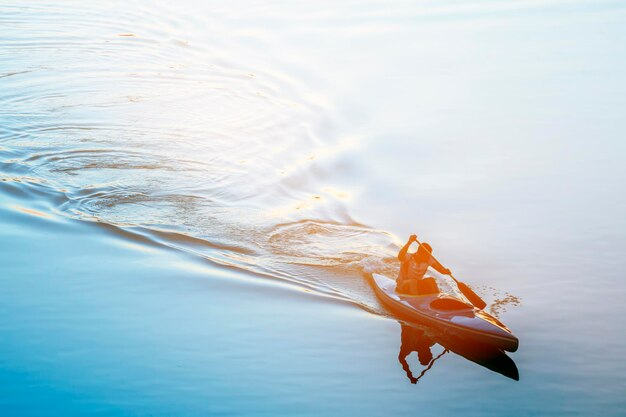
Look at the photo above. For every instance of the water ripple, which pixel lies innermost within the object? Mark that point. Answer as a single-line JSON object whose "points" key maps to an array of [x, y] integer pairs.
{"points": [[163, 137]]}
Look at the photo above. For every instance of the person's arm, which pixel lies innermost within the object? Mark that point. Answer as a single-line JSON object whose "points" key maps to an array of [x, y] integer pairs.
{"points": [[405, 248]]}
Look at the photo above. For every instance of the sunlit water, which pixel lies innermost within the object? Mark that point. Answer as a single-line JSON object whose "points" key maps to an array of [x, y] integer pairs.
{"points": [[299, 144]]}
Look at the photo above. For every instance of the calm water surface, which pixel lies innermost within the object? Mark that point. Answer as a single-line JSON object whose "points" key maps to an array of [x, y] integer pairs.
{"points": [[193, 193]]}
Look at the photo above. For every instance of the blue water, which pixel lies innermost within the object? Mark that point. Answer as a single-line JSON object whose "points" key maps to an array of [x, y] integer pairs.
{"points": [[192, 195]]}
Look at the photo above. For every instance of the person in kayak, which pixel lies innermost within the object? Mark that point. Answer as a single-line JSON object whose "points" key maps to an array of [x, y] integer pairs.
{"points": [[413, 267]]}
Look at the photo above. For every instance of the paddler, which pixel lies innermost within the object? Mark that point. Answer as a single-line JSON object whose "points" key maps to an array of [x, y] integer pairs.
{"points": [[413, 267]]}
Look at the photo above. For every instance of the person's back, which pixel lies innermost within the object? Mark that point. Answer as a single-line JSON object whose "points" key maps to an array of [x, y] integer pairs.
{"points": [[413, 267]]}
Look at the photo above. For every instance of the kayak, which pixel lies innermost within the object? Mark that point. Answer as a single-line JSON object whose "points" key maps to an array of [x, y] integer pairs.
{"points": [[446, 312]]}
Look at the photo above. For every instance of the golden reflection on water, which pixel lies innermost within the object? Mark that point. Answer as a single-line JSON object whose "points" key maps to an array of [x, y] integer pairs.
{"points": [[31, 211]]}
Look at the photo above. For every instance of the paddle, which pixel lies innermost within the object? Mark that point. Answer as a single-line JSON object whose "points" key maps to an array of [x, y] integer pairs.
{"points": [[467, 291], [430, 365]]}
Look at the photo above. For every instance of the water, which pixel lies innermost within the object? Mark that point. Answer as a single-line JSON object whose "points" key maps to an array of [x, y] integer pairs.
{"points": [[193, 193]]}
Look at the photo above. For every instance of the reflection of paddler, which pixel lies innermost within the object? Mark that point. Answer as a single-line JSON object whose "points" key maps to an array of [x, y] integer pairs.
{"points": [[414, 340]]}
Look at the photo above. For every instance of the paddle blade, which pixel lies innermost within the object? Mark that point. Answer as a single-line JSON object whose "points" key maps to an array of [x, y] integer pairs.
{"points": [[471, 296]]}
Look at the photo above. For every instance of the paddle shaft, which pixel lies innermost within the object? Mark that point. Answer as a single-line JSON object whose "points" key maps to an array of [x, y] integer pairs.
{"points": [[430, 365]]}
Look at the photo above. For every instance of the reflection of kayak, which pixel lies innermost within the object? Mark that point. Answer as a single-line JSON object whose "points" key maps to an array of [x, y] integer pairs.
{"points": [[485, 355], [446, 312], [492, 358]]}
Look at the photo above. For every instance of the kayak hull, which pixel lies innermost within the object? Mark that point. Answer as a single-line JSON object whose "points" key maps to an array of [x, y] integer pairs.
{"points": [[446, 312]]}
